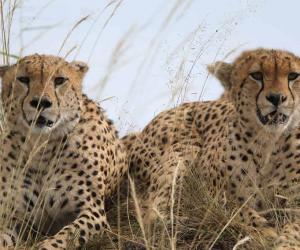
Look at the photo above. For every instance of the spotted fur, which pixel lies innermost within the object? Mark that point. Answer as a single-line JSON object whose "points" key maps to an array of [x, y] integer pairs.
{"points": [[246, 144], [60, 156]]}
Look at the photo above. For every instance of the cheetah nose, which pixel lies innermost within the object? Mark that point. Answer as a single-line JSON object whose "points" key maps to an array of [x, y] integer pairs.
{"points": [[276, 99], [40, 104]]}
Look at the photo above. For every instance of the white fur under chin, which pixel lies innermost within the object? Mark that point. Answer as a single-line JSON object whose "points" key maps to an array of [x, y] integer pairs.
{"points": [[277, 129]]}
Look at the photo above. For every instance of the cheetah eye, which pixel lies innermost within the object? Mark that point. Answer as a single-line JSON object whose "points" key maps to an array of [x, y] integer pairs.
{"points": [[24, 79], [60, 80], [258, 76], [293, 76]]}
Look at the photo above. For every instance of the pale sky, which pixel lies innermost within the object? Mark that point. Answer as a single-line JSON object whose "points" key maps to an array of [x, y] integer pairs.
{"points": [[147, 52]]}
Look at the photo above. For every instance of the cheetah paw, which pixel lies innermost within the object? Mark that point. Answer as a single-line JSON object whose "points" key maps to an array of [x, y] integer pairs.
{"points": [[6, 241]]}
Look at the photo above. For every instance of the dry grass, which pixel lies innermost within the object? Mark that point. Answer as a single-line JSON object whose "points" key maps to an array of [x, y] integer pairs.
{"points": [[199, 222]]}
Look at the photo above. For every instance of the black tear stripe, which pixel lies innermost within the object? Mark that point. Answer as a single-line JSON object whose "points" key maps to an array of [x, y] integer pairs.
{"points": [[42, 70], [291, 92], [57, 99], [259, 92], [276, 66], [261, 88], [289, 86], [27, 93], [58, 104]]}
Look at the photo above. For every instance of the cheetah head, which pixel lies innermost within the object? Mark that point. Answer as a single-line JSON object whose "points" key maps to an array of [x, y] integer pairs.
{"points": [[42, 93], [264, 86]]}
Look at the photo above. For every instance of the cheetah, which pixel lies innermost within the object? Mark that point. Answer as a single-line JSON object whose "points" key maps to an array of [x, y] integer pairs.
{"points": [[246, 144], [60, 155]]}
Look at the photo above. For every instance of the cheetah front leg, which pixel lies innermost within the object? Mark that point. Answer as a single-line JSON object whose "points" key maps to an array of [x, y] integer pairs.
{"points": [[8, 234], [7, 240], [90, 222], [166, 181]]}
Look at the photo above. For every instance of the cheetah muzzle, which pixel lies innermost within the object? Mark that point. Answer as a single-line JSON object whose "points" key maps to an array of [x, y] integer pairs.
{"points": [[273, 118], [41, 122]]}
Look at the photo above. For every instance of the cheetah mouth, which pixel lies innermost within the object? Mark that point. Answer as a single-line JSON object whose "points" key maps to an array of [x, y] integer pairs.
{"points": [[41, 122], [273, 118]]}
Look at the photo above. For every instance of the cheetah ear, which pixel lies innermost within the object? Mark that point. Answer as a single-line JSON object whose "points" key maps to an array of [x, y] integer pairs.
{"points": [[222, 71], [80, 66], [3, 69]]}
